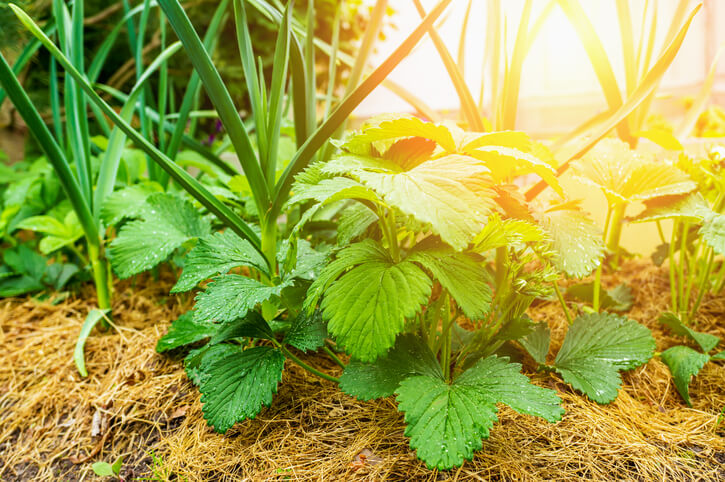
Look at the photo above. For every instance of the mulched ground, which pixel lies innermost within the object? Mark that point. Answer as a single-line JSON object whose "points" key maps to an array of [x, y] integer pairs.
{"points": [[139, 404]]}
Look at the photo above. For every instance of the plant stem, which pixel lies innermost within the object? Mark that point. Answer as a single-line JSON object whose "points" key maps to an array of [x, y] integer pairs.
{"points": [[702, 282], [100, 270], [681, 268], [671, 256], [334, 357], [393, 232], [563, 303], [307, 367], [616, 230], [269, 243], [598, 275], [446, 336]]}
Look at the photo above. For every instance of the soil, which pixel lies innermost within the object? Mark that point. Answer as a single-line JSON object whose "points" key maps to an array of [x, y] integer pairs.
{"points": [[139, 405]]}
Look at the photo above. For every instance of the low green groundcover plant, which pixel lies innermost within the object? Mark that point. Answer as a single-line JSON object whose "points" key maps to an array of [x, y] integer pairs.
{"points": [[437, 259]]}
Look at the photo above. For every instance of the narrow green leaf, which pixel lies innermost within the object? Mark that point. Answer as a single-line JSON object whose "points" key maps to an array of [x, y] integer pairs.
{"points": [[94, 316]]}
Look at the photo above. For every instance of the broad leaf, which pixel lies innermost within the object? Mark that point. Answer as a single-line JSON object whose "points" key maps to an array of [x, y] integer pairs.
{"points": [[308, 332], [596, 347], [353, 222], [619, 298], [185, 331], [684, 363], [238, 384], [446, 422], [688, 207], [307, 261], [251, 326], [537, 343], [195, 369], [510, 232], [713, 233], [367, 306], [576, 239], [461, 275], [168, 222], [217, 254], [330, 190], [625, 175], [400, 127], [128, 202], [706, 341], [231, 296], [346, 258], [409, 357], [452, 194]]}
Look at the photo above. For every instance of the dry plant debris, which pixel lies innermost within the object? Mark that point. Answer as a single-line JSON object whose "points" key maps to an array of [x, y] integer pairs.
{"points": [[139, 404]]}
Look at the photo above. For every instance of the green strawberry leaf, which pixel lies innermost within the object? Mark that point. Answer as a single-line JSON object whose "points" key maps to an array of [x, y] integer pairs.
{"points": [[452, 194], [252, 325], [185, 331], [718, 356], [168, 222], [347, 258], [409, 357], [217, 254], [619, 298], [198, 371], [713, 233], [537, 342], [128, 202], [688, 207], [308, 332], [576, 239], [400, 127], [598, 346], [463, 276], [328, 191], [238, 384], [446, 421], [367, 307], [307, 261], [231, 296], [706, 341], [353, 222], [684, 363]]}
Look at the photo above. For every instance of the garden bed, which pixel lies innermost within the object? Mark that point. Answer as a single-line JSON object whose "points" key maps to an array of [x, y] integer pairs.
{"points": [[139, 404]]}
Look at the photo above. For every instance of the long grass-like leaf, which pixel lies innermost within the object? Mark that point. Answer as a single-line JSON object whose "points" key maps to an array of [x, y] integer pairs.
{"points": [[512, 77], [221, 99], [276, 97], [50, 147], [468, 105], [117, 140], [185, 181], [598, 58], [644, 89], [627, 36], [193, 87], [698, 104]]}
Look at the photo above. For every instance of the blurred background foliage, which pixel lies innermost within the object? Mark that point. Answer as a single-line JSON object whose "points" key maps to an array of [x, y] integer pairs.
{"points": [[119, 70]]}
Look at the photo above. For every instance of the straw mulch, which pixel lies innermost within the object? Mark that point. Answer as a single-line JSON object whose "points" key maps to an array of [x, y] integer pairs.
{"points": [[139, 404]]}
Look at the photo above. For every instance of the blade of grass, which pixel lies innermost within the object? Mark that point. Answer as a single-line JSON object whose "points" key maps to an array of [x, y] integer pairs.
{"points": [[50, 147], [185, 181], [627, 38], [193, 88], [276, 97], [512, 77], [117, 140], [646, 87], [698, 104], [461, 58], [332, 63], [94, 316], [221, 99], [468, 105], [598, 58]]}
